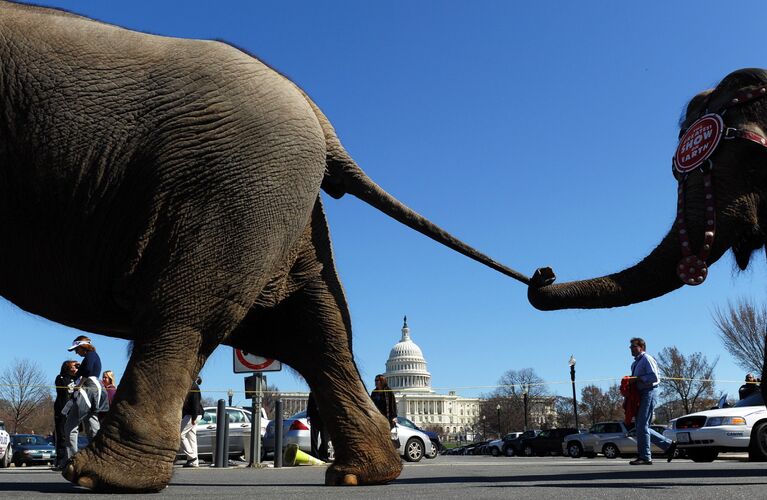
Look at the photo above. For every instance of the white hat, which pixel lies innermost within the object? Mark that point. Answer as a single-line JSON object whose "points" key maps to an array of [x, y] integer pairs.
{"points": [[78, 343]]}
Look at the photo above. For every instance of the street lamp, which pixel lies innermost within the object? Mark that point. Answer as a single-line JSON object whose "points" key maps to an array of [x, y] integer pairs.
{"points": [[572, 378], [484, 427], [230, 393], [525, 388], [498, 410]]}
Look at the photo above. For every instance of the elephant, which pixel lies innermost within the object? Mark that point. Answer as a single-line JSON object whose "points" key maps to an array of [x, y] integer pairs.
{"points": [[721, 167], [167, 191]]}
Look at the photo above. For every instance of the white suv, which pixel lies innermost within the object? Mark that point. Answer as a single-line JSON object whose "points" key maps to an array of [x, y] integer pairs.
{"points": [[704, 434], [6, 452]]}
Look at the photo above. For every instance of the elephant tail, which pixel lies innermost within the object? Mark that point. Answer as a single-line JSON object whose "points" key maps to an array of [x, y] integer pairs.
{"points": [[343, 175]]}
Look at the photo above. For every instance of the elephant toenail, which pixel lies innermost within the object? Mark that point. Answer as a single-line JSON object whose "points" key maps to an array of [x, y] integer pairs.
{"points": [[350, 480]]}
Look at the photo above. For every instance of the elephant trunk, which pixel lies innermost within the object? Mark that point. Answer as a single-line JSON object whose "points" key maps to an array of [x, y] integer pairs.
{"points": [[653, 276]]}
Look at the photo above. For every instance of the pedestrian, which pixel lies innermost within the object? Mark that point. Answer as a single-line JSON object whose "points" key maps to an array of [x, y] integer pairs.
{"points": [[383, 398], [65, 388], [318, 436], [751, 386], [192, 412], [644, 371], [90, 397], [108, 381]]}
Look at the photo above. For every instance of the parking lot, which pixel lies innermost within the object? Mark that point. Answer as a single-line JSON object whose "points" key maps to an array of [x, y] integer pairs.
{"points": [[447, 477]]}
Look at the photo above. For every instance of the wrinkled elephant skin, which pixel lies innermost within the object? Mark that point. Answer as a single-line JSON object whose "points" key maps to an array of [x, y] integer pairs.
{"points": [[166, 191]]}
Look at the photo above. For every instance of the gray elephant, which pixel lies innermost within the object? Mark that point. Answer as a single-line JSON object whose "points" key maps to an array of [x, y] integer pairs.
{"points": [[721, 167], [166, 191]]}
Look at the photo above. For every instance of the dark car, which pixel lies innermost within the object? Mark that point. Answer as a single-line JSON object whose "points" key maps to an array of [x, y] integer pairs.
{"points": [[31, 449], [513, 445], [433, 436], [548, 442]]}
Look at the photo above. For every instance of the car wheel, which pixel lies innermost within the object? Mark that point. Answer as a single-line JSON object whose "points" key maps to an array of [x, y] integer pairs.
{"points": [[757, 448], [575, 450], [495, 451], [434, 451], [528, 451], [508, 451], [18, 463], [702, 455], [610, 451], [6, 461], [413, 450]]}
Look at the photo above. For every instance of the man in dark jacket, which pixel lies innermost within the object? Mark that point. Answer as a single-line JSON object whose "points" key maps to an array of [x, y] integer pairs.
{"points": [[192, 413], [317, 434], [65, 387]]}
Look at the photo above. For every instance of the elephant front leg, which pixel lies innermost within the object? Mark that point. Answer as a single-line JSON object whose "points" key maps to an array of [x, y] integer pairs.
{"points": [[137, 444]]}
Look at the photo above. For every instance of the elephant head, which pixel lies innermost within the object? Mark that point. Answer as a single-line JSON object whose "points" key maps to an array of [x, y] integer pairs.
{"points": [[722, 202]]}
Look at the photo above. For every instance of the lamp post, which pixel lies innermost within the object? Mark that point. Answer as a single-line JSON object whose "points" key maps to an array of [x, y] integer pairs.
{"points": [[525, 388], [572, 378], [230, 393], [484, 427], [498, 410]]}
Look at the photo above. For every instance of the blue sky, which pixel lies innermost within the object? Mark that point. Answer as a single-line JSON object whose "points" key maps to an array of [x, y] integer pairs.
{"points": [[540, 133]]}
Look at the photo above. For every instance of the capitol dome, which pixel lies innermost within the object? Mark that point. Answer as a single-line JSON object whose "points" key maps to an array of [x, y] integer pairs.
{"points": [[406, 366]]}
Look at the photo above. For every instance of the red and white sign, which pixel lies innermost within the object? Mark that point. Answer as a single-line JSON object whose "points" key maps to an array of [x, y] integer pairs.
{"points": [[245, 362], [698, 143]]}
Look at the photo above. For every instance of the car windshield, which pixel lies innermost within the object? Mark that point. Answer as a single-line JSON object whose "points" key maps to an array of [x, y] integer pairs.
{"points": [[754, 399], [407, 423], [26, 440], [300, 414]]}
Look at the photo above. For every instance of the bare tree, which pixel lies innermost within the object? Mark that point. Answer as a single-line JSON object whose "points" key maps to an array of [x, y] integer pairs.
{"points": [[510, 395], [596, 405], [271, 395], [23, 387], [741, 330], [688, 379]]}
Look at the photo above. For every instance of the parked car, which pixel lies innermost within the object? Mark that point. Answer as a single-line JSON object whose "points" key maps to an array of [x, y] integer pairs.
{"points": [[625, 444], [239, 430], [6, 450], [586, 443], [295, 430], [705, 434], [31, 449], [433, 436], [513, 446], [496, 446], [548, 442], [414, 444]]}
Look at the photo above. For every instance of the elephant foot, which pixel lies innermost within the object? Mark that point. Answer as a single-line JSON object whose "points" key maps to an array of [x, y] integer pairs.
{"points": [[380, 471], [111, 470]]}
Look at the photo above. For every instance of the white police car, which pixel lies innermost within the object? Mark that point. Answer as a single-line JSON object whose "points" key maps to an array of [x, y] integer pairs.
{"points": [[6, 452], [741, 428]]}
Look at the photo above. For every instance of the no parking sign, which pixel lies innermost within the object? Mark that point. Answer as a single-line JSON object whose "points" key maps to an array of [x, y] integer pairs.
{"points": [[245, 362]]}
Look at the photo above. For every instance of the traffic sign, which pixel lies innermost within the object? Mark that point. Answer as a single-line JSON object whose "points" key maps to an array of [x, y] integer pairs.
{"points": [[245, 362]]}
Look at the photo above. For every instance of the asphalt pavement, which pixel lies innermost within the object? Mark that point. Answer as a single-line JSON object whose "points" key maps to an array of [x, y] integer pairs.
{"points": [[445, 477]]}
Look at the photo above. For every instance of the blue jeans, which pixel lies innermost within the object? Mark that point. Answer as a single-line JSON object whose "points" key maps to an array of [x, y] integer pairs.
{"points": [[645, 434]]}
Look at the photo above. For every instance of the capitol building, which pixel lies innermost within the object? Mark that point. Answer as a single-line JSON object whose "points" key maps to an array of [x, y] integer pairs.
{"points": [[453, 417]]}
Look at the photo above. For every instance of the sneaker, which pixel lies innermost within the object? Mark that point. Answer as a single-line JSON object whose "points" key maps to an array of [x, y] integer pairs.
{"points": [[641, 461], [192, 463], [670, 452]]}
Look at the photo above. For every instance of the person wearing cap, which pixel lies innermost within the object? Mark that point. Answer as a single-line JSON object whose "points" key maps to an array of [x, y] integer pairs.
{"points": [[90, 397]]}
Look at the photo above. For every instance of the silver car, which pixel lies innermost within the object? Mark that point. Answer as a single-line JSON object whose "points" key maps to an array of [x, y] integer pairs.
{"points": [[239, 430], [414, 444], [625, 444]]}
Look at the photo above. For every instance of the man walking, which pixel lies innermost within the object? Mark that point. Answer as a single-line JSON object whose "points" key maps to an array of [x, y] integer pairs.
{"points": [[192, 412], [644, 373]]}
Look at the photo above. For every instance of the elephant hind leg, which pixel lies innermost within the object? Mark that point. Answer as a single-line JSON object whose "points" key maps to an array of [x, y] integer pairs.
{"points": [[310, 332]]}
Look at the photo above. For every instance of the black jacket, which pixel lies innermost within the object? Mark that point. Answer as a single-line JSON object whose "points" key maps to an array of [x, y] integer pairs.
{"points": [[192, 403]]}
